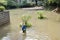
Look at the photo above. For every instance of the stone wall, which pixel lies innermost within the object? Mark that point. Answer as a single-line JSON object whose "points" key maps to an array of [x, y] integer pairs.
{"points": [[4, 17]]}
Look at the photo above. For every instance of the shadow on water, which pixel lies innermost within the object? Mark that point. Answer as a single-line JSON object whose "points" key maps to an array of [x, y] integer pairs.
{"points": [[6, 24]]}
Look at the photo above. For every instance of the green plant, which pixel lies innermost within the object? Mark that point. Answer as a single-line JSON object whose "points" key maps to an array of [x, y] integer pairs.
{"points": [[3, 2], [2, 8], [25, 20], [21, 24], [28, 24], [12, 4], [40, 13], [32, 4]]}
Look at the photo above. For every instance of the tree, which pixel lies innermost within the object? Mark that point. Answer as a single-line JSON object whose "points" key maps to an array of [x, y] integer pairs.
{"points": [[58, 4], [3, 2], [12, 3], [56, 1]]}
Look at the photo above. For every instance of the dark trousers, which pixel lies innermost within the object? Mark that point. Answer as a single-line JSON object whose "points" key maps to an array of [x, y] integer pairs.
{"points": [[24, 31]]}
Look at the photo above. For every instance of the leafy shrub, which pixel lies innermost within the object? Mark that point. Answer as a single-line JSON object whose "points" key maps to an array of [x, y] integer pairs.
{"points": [[25, 4], [40, 3], [21, 24], [25, 20], [2, 8], [31, 4], [3, 2], [12, 4], [40, 15], [27, 25]]}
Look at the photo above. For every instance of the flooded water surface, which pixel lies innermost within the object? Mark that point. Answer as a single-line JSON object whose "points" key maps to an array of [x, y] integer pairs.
{"points": [[45, 29]]}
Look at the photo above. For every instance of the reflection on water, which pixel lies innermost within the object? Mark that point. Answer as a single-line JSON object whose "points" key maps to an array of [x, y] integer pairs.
{"points": [[4, 29], [24, 36], [30, 34]]}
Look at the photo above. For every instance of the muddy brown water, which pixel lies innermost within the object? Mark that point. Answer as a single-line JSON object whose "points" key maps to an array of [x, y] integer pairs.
{"points": [[46, 28]]}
